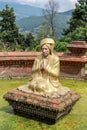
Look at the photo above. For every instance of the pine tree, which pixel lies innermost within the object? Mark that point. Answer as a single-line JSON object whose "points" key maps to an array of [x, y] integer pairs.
{"points": [[30, 42], [79, 17], [8, 28]]}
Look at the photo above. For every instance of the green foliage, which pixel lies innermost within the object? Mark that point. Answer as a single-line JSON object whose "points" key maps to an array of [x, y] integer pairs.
{"points": [[38, 48], [43, 31], [8, 28], [61, 46], [75, 120], [66, 38], [21, 41], [29, 23], [79, 34], [30, 42], [77, 29], [11, 39], [33, 24], [79, 17]]}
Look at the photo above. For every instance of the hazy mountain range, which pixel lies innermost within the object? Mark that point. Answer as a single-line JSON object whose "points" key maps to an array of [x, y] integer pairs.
{"points": [[29, 18], [22, 10]]}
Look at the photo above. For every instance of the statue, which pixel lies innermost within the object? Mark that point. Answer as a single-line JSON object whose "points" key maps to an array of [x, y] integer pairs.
{"points": [[43, 97], [45, 72]]}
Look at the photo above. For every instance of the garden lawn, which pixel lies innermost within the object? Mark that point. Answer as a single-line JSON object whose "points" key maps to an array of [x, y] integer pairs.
{"points": [[75, 120]]}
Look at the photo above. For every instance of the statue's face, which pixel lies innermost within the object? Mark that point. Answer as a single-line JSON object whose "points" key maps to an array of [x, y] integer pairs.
{"points": [[45, 51]]}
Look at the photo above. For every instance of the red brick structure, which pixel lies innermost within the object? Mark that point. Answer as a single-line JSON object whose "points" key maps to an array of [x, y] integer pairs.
{"points": [[73, 63], [19, 64], [16, 64]]}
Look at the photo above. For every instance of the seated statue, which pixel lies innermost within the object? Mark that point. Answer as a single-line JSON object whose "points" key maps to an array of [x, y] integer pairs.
{"points": [[45, 72]]}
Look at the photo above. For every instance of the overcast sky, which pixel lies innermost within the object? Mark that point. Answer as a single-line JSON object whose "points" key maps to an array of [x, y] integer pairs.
{"points": [[64, 5]]}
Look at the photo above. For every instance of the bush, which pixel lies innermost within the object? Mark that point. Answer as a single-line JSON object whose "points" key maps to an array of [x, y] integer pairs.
{"points": [[61, 46]]}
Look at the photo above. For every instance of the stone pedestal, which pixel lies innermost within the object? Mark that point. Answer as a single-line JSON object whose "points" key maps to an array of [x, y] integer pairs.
{"points": [[39, 107]]}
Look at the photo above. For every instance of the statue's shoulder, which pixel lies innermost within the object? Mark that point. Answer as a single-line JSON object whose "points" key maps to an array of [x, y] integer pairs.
{"points": [[38, 57], [55, 57]]}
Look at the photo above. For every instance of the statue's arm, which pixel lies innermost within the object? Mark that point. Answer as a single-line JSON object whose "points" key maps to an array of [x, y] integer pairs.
{"points": [[53, 68], [35, 66]]}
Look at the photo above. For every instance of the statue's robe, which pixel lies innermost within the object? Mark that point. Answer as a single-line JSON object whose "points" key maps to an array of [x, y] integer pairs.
{"points": [[45, 82]]}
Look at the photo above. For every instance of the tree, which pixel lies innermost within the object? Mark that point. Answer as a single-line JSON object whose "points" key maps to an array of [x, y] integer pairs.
{"points": [[8, 28], [79, 34], [43, 31], [60, 46], [49, 13], [21, 41], [79, 17], [30, 42]]}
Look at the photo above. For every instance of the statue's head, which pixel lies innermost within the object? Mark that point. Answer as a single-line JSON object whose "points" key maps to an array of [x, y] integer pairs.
{"points": [[49, 42]]}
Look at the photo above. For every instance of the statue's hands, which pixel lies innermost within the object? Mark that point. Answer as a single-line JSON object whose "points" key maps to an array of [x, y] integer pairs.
{"points": [[43, 64]]}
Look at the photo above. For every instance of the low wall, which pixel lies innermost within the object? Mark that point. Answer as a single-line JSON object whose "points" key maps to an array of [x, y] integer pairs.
{"points": [[19, 64], [16, 64]]}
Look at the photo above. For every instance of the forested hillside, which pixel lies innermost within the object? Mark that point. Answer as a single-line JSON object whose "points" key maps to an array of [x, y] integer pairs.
{"points": [[33, 23], [22, 10], [29, 18]]}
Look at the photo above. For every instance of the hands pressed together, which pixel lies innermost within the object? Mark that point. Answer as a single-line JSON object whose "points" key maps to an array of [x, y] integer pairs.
{"points": [[43, 64]]}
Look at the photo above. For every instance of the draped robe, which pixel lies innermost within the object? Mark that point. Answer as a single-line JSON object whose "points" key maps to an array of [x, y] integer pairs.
{"points": [[45, 82]]}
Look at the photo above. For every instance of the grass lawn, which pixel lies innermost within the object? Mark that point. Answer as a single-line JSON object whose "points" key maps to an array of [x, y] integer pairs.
{"points": [[75, 120]]}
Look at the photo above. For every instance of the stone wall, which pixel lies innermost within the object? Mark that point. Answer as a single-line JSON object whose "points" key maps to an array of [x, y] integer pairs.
{"points": [[19, 64], [16, 64]]}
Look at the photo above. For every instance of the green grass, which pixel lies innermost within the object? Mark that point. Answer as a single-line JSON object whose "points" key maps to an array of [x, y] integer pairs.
{"points": [[75, 120]]}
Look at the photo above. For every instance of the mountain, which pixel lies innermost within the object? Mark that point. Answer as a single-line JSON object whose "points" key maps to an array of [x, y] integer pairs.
{"points": [[22, 10], [69, 12], [29, 18], [34, 22]]}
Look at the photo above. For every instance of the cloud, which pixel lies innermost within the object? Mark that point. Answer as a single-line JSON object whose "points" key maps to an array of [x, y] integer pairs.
{"points": [[28, 1], [63, 4], [39, 3]]}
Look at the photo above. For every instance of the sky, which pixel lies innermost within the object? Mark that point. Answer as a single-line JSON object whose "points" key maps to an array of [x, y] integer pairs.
{"points": [[64, 5]]}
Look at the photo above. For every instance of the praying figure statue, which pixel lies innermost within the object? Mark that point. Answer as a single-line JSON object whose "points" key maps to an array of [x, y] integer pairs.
{"points": [[45, 73]]}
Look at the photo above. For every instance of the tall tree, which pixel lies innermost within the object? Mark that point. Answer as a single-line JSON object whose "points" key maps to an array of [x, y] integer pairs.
{"points": [[43, 31], [21, 41], [8, 28], [30, 42], [49, 13], [79, 17]]}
